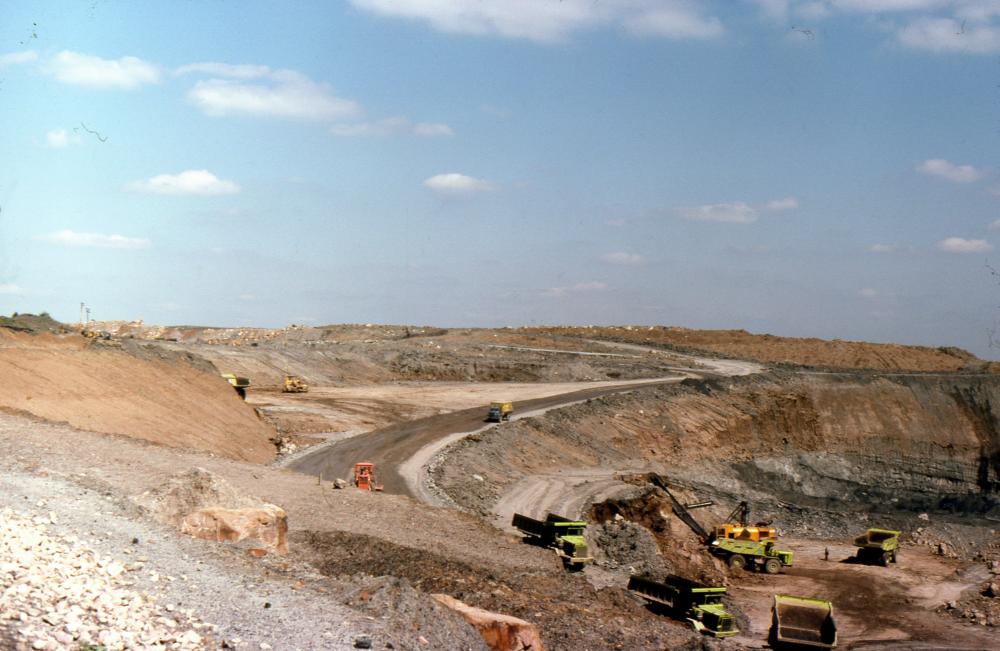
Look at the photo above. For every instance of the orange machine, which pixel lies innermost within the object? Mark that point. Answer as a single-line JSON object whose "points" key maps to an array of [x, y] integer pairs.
{"points": [[738, 527], [364, 476]]}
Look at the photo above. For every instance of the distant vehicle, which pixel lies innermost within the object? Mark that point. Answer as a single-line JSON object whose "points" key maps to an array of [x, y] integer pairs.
{"points": [[241, 384], [878, 546], [802, 623], [500, 411], [294, 384], [699, 604], [760, 555], [563, 535], [364, 476]]}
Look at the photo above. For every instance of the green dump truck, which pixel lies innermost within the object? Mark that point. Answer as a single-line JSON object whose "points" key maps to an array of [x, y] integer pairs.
{"points": [[802, 623], [563, 535], [878, 546], [699, 604], [756, 554]]}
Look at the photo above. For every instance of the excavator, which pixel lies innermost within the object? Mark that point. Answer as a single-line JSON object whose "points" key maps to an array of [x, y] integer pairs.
{"points": [[738, 527]]}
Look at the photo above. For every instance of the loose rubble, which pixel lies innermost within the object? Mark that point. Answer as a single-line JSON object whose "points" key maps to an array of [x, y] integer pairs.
{"points": [[58, 594]]}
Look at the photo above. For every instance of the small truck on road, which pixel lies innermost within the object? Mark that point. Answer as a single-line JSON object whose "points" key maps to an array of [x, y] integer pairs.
{"points": [[500, 411]]}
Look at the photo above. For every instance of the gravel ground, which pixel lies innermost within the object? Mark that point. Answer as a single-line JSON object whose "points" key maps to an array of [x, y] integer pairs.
{"points": [[172, 577]]}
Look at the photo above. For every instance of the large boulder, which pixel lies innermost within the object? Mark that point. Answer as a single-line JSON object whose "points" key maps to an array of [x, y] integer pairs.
{"points": [[267, 524], [500, 632], [204, 505]]}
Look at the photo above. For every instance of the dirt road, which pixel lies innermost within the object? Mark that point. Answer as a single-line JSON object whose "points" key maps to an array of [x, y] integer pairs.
{"points": [[391, 447]]}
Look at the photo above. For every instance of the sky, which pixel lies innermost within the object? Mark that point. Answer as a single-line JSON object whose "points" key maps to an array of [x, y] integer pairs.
{"points": [[819, 168]]}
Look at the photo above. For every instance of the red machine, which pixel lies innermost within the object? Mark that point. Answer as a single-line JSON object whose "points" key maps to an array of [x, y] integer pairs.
{"points": [[364, 476]]}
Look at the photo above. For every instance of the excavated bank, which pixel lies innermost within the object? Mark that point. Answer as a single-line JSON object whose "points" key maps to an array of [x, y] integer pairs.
{"points": [[877, 443]]}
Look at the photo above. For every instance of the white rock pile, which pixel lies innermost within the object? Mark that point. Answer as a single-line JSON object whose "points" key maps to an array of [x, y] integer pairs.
{"points": [[55, 593]]}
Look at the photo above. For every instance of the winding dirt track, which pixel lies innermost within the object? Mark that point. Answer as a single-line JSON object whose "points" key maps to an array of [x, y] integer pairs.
{"points": [[391, 447]]}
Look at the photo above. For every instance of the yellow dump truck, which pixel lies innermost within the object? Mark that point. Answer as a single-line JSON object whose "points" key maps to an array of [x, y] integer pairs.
{"points": [[499, 411], [802, 623], [241, 384]]}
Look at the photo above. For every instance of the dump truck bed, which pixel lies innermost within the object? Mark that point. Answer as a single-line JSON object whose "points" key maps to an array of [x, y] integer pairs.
{"points": [[802, 623]]}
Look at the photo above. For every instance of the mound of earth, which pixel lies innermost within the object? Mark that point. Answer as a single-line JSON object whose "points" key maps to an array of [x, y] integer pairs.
{"points": [[771, 349], [32, 323], [96, 386]]}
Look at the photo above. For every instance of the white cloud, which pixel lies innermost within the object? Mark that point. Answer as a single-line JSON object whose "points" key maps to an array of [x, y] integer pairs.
{"points": [[883, 248], [788, 203], [247, 297], [623, 258], [10, 288], [187, 182], [674, 20], [868, 292], [16, 58], [776, 10], [617, 222], [390, 126], [72, 238], [88, 70], [213, 69], [732, 213], [994, 225], [950, 171], [432, 129], [547, 22], [454, 183], [961, 245], [813, 10], [950, 35], [59, 138], [592, 286], [282, 94]]}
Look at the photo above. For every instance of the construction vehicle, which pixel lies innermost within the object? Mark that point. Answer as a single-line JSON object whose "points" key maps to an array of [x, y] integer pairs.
{"points": [[241, 384], [878, 546], [759, 554], [802, 623], [294, 384], [563, 535], [698, 604], [500, 411], [738, 527], [364, 476]]}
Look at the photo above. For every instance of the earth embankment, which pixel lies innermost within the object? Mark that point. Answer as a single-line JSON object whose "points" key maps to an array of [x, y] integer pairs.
{"points": [[906, 442], [175, 401]]}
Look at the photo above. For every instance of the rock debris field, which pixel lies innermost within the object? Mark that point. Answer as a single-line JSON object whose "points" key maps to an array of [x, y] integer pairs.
{"points": [[59, 593]]}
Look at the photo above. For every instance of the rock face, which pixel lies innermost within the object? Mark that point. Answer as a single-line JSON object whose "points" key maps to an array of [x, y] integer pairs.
{"points": [[501, 632], [203, 505]]}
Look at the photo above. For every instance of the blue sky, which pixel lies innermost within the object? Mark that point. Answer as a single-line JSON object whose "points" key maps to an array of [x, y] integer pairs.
{"points": [[808, 168]]}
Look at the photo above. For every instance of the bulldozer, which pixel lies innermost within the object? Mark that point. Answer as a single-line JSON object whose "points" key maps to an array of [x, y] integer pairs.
{"points": [[294, 384], [364, 476]]}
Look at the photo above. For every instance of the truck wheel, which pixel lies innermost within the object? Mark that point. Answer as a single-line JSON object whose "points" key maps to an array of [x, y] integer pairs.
{"points": [[894, 559], [886, 559], [737, 562], [772, 566]]}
